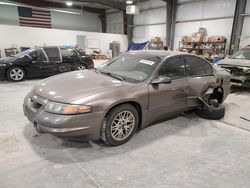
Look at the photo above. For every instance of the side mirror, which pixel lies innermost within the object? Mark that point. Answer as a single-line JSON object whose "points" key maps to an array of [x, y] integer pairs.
{"points": [[162, 80]]}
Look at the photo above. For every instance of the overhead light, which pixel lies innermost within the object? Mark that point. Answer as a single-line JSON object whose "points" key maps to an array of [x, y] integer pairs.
{"points": [[55, 10], [65, 11], [69, 3], [132, 9], [129, 2], [5, 3]]}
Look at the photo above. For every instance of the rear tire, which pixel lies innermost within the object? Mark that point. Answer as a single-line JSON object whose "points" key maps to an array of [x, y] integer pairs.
{"points": [[120, 125], [213, 112], [16, 74]]}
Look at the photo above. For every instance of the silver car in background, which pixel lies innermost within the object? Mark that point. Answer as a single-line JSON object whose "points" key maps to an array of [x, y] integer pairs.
{"points": [[239, 67]]}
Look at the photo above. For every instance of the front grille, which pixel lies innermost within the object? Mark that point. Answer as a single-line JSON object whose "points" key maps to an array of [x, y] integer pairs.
{"points": [[37, 102], [236, 71], [36, 105]]}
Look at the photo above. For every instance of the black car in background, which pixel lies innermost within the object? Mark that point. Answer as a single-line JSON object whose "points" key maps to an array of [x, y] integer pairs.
{"points": [[43, 62]]}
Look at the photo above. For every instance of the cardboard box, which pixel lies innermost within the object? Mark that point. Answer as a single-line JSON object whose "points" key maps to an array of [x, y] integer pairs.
{"points": [[156, 39], [199, 37], [186, 39], [216, 39], [193, 39]]}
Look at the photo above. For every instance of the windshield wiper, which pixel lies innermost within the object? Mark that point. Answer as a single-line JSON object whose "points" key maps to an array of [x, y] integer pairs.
{"points": [[112, 75]]}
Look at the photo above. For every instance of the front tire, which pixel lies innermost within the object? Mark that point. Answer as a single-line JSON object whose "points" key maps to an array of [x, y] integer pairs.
{"points": [[16, 74], [80, 67], [120, 125]]}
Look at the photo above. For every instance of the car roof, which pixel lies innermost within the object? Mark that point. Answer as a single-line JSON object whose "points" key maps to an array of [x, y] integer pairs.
{"points": [[157, 53], [62, 47]]}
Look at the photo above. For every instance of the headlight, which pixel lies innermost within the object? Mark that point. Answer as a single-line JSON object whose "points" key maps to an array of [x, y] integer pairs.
{"points": [[67, 109]]}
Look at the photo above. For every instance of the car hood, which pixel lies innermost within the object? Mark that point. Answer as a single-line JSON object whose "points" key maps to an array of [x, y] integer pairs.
{"points": [[235, 62], [7, 60], [76, 85]]}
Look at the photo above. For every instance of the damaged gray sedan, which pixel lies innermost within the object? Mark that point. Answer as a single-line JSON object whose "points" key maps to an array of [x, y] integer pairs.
{"points": [[239, 67], [125, 94]]}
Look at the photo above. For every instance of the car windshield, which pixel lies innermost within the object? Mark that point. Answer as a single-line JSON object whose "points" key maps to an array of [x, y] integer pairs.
{"points": [[130, 67], [242, 54], [26, 52]]}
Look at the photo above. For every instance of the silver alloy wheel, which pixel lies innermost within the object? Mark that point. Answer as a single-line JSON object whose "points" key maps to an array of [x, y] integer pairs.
{"points": [[122, 125], [81, 67], [17, 74]]}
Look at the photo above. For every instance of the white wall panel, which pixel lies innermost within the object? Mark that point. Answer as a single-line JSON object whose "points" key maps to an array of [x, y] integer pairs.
{"points": [[151, 12], [189, 11], [115, 23], [245, 37], [141, 18], [248, 7], [8, 15], [218, 8], [157, 16], [115, 17], [83, 22], [151, 4], [205, 9], [214, 27], [30, 37], [145, 33]]}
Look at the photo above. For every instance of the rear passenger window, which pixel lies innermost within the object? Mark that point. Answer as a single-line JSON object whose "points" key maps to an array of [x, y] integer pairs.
{"points": [[52, 53], [173, 68], [197, 66]]}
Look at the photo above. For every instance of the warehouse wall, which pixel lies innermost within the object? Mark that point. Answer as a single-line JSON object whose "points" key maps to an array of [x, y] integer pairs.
{"points": [[114, 21], [8, 15], [245, 37], [30, 37], [151, 21], [83, 22], [221, 11]]}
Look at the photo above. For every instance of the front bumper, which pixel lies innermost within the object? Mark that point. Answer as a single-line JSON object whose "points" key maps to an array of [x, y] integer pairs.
{"points": [[81, 126], [2, 74], [242, 81]]}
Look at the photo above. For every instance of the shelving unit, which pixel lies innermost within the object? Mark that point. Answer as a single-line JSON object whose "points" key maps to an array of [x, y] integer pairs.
{"points": [[11, 51], [201, 48], [155, 45]]}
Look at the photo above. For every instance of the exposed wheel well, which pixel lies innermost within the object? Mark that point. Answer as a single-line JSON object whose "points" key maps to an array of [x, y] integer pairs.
{"points": [[218, 94], [134, 104]]}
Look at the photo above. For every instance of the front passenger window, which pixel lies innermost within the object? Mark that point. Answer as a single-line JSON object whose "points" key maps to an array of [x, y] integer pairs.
{"points": [[173, 68]]}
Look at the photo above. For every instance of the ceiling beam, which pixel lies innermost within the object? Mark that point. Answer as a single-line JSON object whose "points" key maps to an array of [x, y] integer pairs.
{"points": [[110, 3], [49, 4]]}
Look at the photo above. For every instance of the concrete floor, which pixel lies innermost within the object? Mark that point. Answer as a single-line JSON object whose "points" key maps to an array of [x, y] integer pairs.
{"points": [[183, 152]]}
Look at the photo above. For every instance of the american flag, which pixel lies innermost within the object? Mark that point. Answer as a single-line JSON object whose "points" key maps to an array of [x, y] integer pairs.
{"points": [[33, 17]]}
